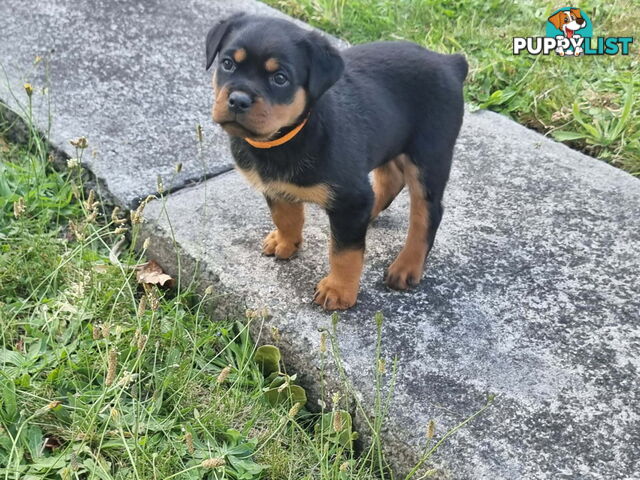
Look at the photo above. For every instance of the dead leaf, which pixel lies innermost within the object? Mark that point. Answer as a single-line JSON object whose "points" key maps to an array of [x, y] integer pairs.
{"points": [[101, 268], [151, 273], [52, 442], [4, 145]]}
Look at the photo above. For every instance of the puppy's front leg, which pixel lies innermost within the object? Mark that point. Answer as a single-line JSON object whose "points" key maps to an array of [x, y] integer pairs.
{"points": [[339, 289], [288, 218]]}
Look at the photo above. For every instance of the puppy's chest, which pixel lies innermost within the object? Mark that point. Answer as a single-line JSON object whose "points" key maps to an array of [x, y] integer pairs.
{"points": [[319, 193]]}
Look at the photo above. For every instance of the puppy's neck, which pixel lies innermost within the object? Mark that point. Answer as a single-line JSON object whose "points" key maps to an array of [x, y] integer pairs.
{"points": [[282, 136]]}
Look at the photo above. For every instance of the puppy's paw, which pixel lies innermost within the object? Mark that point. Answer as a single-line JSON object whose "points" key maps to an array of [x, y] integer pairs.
{"points": [[403, 273], [276, 244], [333, 294]]}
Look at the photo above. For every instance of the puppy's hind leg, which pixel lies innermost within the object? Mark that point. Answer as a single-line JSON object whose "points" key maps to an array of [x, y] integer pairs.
{"points": [[388, 182], [426, 187]]}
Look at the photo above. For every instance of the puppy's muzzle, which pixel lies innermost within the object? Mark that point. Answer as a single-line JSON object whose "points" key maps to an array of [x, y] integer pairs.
{"points": [[239, 102]]}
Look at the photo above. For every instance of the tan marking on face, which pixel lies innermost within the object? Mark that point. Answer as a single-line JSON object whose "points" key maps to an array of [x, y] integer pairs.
{"points": [[388, 182], [319, 193], [264, 118], [272, 65], [284, 241], [407, 268], [339, 289], [240, 55], [220, 109], [279, 116]]}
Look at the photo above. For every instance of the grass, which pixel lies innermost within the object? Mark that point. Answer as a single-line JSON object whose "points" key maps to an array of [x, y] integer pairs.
{"points": [[102, 377], [587, 102]]}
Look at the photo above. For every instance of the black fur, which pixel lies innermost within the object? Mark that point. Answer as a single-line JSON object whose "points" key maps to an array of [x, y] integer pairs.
{"points": [[326, 65], [368, 104], [216, 35]]}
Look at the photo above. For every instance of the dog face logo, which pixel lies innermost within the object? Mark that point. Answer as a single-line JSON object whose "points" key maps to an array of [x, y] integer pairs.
{"points": [[569, 23]]}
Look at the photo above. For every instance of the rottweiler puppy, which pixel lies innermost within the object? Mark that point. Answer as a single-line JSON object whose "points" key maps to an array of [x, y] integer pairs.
{"points": [[308, 123]]}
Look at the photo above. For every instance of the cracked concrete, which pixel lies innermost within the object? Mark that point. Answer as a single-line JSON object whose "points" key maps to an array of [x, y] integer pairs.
{"points": [[530, 293]]}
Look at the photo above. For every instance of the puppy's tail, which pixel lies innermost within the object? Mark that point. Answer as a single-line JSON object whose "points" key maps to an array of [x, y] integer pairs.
{"points": [[460, 66]]}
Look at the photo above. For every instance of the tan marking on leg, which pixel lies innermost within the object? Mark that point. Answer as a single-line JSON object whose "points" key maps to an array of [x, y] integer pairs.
{"points": [[339, 289], [285, 240], [240, 55], [406, 270], [388, 182], [272, 65]]}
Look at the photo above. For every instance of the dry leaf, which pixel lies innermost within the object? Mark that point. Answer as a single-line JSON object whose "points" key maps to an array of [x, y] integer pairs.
{"points": [[151, 273], [101, 268], [52, 442], [4, 145]]}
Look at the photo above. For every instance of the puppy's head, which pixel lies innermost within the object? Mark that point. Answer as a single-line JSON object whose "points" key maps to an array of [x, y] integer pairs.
{"points": [[568, 21], [269, 73]]}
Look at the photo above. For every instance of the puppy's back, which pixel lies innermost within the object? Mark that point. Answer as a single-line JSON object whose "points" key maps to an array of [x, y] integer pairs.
{"points": [[404, 60]]}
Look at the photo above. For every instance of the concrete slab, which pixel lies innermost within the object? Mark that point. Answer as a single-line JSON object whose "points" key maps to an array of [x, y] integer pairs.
{"points": [[128, 75], [530, 293]]}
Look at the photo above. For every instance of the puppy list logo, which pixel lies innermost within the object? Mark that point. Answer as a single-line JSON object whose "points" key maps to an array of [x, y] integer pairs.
{"points": [[569, 32]]}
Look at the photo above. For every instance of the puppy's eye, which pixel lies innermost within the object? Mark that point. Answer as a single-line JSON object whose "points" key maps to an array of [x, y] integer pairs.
{"points": [[227, 64], [280, 79]]}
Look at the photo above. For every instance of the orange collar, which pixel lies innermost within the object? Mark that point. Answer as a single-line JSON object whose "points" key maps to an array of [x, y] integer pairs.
{"points": [[278, 141]]}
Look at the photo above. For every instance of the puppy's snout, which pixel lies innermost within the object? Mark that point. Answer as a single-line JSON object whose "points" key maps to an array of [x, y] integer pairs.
{"points": [[239, 102], [580, 21]]}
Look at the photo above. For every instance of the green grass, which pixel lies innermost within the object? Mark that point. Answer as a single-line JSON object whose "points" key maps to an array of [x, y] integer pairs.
{"points": [[587, 102], [104, 378], [101, 378]]}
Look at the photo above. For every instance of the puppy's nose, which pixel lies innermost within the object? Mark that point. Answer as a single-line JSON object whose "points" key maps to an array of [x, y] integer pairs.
{"points": [[579, 21], [239, 102]]}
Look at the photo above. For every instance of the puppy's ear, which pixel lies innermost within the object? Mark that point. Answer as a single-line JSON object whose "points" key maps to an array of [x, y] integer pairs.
{"points": [[216, 35], [325, 65], [556, 20]]}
